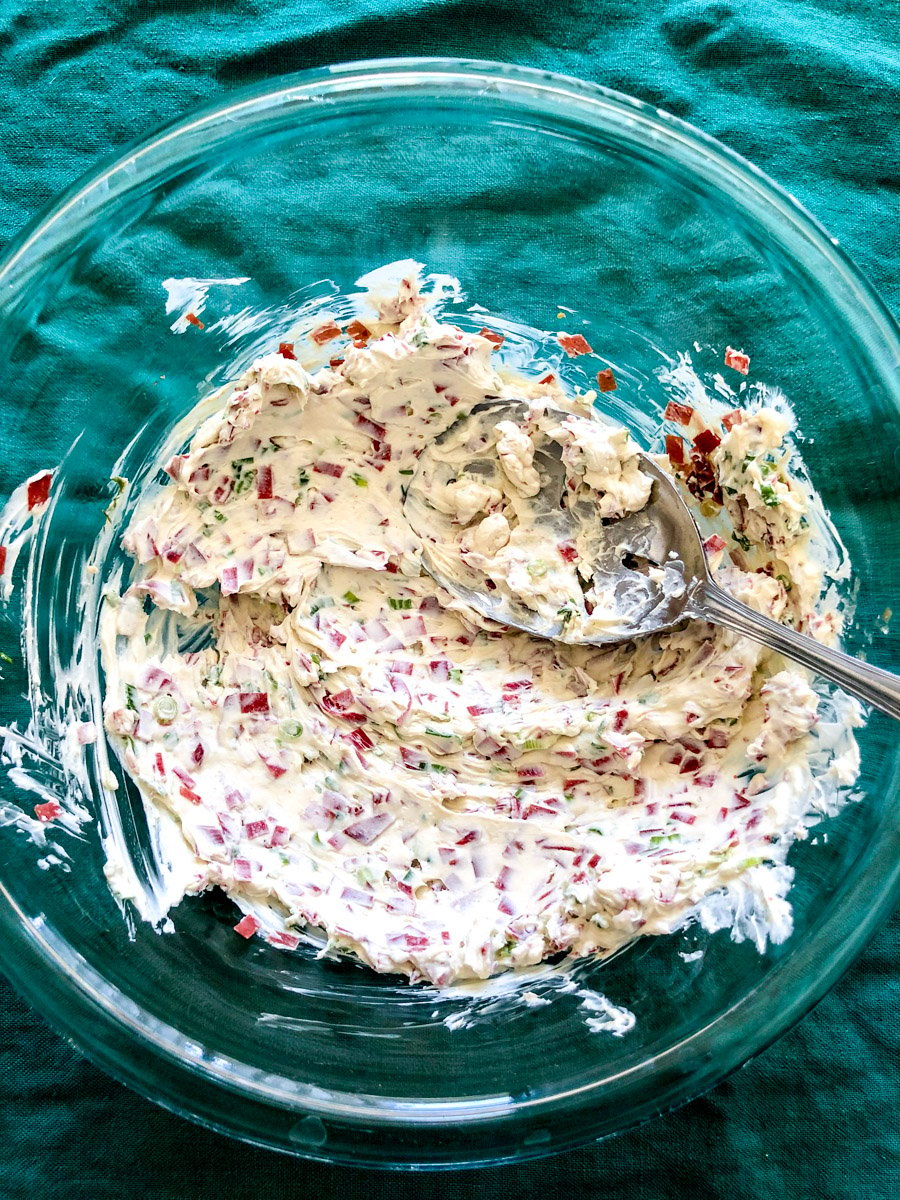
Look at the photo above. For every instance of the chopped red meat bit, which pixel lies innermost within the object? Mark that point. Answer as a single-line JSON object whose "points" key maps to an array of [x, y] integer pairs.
{"points": [[706, 441], [731, 419], [680, 413], [675, 449], [47, 812], [360, 739], [607, 380], [369, 828], [335, 470], [247, 926], [568, 551], [194, 320], [548, 378], [714, 544], [254, 702], [335, 362], [372, 428], [574, 344], [286, 350], [325, 333], [264, 483], [359, 332], [496, 339], [737, 360], [39, 490]]}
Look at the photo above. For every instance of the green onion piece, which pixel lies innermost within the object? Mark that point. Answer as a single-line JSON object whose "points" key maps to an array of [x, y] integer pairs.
{"points": [[351, 597], [398, 603], [290, 728], [359, 480]]}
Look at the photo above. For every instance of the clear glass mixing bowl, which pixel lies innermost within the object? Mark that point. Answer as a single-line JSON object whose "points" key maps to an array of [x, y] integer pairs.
{"points": [[537, 192]]}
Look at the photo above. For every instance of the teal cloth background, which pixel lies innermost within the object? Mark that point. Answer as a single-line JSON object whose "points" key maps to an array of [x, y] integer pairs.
{"points": [[810, 91]]}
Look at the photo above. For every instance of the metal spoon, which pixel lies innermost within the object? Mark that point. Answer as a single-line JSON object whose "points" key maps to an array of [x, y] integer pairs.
{"points": [[651, 563]]}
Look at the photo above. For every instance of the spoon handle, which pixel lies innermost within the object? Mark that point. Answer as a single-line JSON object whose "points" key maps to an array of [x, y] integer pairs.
{"points": [[871, 684]]}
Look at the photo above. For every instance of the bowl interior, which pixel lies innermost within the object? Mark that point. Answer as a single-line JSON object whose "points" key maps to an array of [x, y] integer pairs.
{"points": [[542, 199]]}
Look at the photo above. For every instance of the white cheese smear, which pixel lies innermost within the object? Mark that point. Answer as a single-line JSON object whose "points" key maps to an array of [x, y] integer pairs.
{"points": [[345, 748]]}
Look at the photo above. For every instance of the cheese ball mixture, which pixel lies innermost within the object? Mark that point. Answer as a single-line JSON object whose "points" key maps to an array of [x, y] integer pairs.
{"points": [[351, 753]]}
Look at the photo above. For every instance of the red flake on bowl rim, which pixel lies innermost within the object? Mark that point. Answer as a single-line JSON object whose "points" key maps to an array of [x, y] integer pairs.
{"points": [[737, 360], [286, 350], [288, 941], [606, 380], [193, 319], [706, 441], [548, 378], [325, 333], [574, 344], [732, 418], [680, 413], [247, 926], [39, 490], [489, 335], [359, 332], [2, 559], [47, 812], [675, 449]]}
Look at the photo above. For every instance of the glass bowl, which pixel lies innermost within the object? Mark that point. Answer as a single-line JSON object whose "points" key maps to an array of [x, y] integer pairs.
{"points": [[541, 194]]}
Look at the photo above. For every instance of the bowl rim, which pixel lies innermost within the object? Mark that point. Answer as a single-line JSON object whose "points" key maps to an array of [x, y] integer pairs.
{"points": [[537, 92]]}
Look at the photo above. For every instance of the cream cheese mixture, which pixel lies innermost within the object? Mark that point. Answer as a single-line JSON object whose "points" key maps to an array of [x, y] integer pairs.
{"points": [[348, 750]]}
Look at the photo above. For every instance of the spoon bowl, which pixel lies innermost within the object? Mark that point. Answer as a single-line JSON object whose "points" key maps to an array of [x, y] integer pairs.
{"points": [[649, 565]]}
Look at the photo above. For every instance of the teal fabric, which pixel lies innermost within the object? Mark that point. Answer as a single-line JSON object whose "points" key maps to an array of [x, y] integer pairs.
{"points": [[807, 89]]}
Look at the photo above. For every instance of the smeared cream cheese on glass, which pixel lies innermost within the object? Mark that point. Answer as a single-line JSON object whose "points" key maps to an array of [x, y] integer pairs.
{"points": [[346, 748]]}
